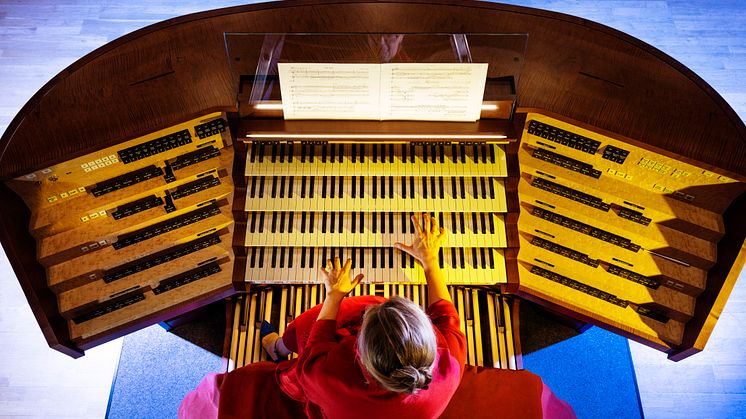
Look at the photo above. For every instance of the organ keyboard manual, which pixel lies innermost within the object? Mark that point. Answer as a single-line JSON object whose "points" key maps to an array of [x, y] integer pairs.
{"points": [[304, 147]]}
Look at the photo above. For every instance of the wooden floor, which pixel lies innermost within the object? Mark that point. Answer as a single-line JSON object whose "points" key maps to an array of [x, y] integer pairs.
{"points": [[39, 38]]}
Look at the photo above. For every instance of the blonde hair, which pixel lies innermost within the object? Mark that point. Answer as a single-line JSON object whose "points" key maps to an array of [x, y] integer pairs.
{"points": [[397, 345]]}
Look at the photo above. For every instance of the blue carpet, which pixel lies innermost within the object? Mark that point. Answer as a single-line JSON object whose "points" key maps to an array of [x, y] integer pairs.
{"points": [[156, 370], [593, 372]]}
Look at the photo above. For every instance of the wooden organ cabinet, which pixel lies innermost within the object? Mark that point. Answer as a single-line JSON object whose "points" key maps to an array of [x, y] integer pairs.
{"points": [[604, 180]]}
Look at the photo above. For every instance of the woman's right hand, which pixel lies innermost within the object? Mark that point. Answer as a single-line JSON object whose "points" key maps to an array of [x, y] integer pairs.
{"points": [[428, 241]]}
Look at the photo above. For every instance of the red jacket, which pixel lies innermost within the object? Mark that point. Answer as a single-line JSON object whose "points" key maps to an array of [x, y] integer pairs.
{"points": [[330, 380]]}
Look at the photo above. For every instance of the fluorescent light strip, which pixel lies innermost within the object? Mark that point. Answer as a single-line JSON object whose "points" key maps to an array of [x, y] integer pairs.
{"points": [[379, 136], [278, 107]]}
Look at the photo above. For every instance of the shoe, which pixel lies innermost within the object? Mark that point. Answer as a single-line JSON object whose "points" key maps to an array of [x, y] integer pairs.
{"points": [[266, 330]]}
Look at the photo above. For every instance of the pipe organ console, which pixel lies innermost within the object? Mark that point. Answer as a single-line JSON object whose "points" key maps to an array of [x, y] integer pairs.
{"points": [[596, 201]]}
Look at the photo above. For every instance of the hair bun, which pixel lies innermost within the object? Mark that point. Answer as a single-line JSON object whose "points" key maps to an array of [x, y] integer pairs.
{"points": [[411, 379]]}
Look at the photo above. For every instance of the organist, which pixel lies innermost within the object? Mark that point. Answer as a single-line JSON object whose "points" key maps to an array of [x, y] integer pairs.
{"points": [[367, 356]]}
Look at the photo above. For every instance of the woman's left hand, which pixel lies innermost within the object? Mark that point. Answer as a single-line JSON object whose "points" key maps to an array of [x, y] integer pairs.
{"points": [[337, 278]]}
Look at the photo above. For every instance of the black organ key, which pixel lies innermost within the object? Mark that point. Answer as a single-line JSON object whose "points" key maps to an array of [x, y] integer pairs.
{"points": [[453, 187], [484, 188], [323, 187], [282, 152], [353, 222], [463, 223], [474, 188], [424, 153], [391, 257], [332, 187], [291, 152], [282, 222], [282, 187], [323, 153], [391, 187], [474, 257], [362, 258], [404, 187], [302, 257], [252, 260], [433, 152], [274, 152], [491, 182], [311, 187], [261, 152], [404, 223], [424, 187], [340, 222], [353, 154], [332, 152], [404, 153], [253, 187], [373, 258], [374, 226], [362, 186], [391, 223], [311, 259], [362, 222], [383, 222], [290, 187], [442, 189], [411, 261], [484, 153], [475, 153], [411, 187], [290, 257], [274, 222], [273, 263], [333, 221], [492, 153], [391, 153], [484, 223], [474, 228], [253, 152], [261, 257], [463, 188], [352, 257], [383, 187], [452, 227], [453, 257], [303, 222], [492, 223], [362, 153], [341, 186], [484, 258], [354, 187], [432, 187], [403, 259], [323, 222], [274, 186], [492, 258], [312, 154], [375, 153], [303, 187], [282, 257], [261, 222], [303, 152], [412, 153], [252, 227], [411, 224], [324, 259], [375, 187], [442, 150], [261, 187], [310, 230], [441, 260]]}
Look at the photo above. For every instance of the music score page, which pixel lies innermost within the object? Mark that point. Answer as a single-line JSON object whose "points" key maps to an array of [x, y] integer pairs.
{"points": [[409, 91]]}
